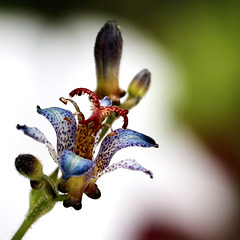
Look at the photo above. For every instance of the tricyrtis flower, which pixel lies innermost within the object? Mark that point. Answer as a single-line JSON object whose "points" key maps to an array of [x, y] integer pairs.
{"points": [[76, 141]]}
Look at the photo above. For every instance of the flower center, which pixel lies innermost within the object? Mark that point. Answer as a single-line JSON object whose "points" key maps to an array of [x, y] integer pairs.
{"points": [[89, 129]]}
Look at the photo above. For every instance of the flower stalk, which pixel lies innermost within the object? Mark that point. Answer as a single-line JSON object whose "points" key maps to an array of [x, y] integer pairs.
{"points": [[41, 200]]}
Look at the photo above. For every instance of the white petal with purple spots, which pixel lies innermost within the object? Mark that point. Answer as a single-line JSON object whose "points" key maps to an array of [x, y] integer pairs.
{"points": [[130, 164], [37, 135], [118, 139], [65, 131]]}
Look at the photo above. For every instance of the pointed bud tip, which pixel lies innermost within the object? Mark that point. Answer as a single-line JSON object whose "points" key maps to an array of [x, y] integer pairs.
{"points": [[108, 45], [110, 25]]}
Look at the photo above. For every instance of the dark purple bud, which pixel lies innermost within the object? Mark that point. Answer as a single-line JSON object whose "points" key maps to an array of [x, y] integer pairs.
{"points": [[108, 52]]}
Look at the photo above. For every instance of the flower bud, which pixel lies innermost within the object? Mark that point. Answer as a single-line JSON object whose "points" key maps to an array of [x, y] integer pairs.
{"points": [[140, 84], [29, 166], [108, 52]]}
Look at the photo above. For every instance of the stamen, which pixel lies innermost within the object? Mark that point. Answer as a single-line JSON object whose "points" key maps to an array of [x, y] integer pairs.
{"points": [[72, 116], [63, 100], [78, 113], [81, 91], [99, 113], [106, 111], [112, 134], [68, 119]]}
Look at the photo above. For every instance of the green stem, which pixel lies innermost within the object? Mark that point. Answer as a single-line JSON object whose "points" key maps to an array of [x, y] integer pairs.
{"points": [[23, 229], [31, 217], [34, 214], [41, 202], [50, 187], [60, 198]]}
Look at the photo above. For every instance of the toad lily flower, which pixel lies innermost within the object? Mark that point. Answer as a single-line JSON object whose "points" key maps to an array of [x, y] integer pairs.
{"points": [[76, 141]]}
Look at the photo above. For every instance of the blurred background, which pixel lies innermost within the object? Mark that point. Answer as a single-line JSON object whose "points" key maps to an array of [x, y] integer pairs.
{"points": [[192, 110]]}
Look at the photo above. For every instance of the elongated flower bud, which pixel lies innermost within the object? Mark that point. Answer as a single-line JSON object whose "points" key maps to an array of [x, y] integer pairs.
{"points": [[29, 166], [140, 84], [108, 52]]}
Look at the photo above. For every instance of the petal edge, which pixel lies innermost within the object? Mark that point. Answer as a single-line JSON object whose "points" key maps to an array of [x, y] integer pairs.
{"points": [[118, 139], [130, 164]]}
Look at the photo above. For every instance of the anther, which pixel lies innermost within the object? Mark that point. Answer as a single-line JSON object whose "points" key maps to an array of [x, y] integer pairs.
{"points": [[63, 100], [78, 113]]}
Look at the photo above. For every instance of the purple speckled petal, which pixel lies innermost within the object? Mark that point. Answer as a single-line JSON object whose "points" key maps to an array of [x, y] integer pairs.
{"points": [[118, 139], [130, 164], [65, 131], [37, 135], [73, 165]]}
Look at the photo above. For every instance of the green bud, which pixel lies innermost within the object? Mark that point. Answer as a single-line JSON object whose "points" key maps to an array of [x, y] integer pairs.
{"points": [[29, 166], [108, 52], [140, 84]]}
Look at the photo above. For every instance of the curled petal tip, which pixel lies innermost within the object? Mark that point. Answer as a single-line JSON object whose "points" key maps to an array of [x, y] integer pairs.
{"points": [[19, 127], [149, 173]]}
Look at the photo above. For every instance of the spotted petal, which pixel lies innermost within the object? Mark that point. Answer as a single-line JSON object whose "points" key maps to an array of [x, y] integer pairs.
{"points": [[37, 135], [73, 165], [65, 130], [118, 139], [130, 164]]}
